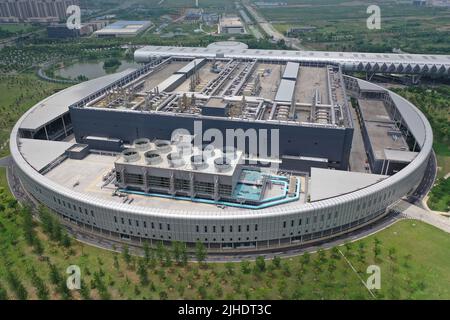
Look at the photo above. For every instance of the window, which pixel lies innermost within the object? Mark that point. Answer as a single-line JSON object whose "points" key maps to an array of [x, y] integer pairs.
{"points": [[197, 229], [214, 230], [256, 227], [115, 219], [206, 228], [168, 226], [300, 222], [153, 226], [122, 220], [160, 226], [231, 228], [239, 228], [284, 224], [137, 223], [145, 224], [248, 227], [223, 229], [292, 223], [129, 222]]}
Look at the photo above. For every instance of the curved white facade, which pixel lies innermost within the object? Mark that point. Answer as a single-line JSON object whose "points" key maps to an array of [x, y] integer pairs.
{"points": [[276, 226]]}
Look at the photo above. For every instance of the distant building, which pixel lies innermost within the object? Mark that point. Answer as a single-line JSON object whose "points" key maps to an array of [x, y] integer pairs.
{"points": [[60, 30], [40, 11], [420, 3], [210, 18], [193, 15], [123, 29], [298, 30], [231, 24]]}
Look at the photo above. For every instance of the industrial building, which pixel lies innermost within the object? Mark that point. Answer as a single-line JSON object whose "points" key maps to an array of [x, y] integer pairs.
{"points": [[231, 25], [123, 29], [239, 152]]}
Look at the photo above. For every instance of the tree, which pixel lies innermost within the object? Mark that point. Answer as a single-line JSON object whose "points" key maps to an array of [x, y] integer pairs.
{"points": [[229, 267], [142, 272], [305, 259], [245, 267], [16, 285], [348, 249], [163, 295], [116, 262], [177, 248], [59, 282], [200, 252], [85, 292], [276, 262], [39, 284], [335, 254], [147, 252], [321, 255], [183, 255], [65, 241], [260, 264], [3, 294], [391, 253], [126, 254], [160, 252]]}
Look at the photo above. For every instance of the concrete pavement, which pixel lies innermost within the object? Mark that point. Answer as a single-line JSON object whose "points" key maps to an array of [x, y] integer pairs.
{"points": [[412, 211]]}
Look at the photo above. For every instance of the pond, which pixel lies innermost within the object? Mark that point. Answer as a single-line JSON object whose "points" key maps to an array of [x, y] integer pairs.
{"points": [[92, 69]]}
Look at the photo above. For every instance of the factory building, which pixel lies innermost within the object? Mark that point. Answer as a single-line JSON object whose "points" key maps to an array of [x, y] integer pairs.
{"points": [[238, 152]]}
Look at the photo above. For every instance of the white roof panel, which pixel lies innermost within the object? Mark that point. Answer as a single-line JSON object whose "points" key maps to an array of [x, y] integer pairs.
{"points": [[40, 153], [57, 104], [327, 183], [285, 91]]}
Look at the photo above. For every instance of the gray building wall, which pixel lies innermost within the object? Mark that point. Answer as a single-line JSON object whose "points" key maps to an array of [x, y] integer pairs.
{"points": [[331, 143]]}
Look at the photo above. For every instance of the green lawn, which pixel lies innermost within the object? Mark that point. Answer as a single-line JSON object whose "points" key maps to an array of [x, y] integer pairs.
{"points": [[413, 258], [4, 182], [341, 26]]}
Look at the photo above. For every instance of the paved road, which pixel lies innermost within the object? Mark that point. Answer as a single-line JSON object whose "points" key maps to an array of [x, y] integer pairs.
{"points": [[412, 211], [267, 27], [6, 161]]}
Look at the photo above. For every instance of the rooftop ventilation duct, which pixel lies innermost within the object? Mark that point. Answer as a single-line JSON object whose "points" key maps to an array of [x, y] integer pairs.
{"points": [[142, 144], [130, 155], [175, 160], [163, 146], [222, 164], [152, 157], [198, 162]]}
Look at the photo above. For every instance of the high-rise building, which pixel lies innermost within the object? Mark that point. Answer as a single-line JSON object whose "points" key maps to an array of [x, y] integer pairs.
{"points": [[43, 11]]}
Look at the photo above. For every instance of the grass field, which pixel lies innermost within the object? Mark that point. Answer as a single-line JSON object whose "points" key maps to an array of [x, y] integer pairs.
{"points": [[341, 25], [9, 30], [412, 256]]}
